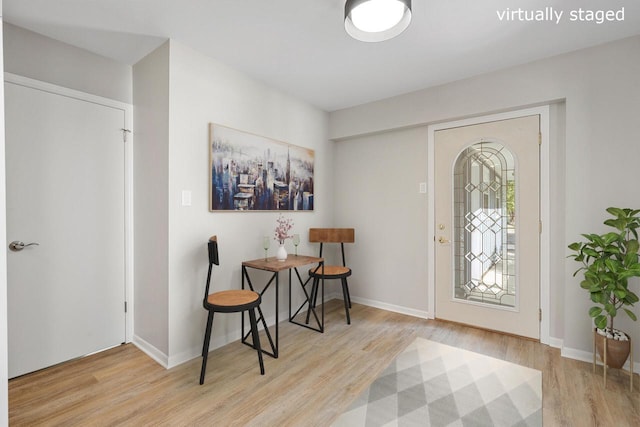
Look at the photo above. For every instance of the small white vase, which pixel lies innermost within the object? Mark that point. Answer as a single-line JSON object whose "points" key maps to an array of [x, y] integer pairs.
{"points": [[281, 255]]}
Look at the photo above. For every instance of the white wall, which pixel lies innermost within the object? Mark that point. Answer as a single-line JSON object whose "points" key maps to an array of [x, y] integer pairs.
{"points": [[557, 227], [38, 57], [202, 91], [602, 95], [376, 191], [150, 194]]}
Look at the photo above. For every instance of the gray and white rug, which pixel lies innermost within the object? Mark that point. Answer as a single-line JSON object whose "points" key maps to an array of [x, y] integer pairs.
{"points": [[432, 384]]}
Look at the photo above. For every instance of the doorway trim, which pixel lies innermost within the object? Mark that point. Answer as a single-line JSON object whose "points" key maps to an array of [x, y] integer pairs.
{"points": [[545, 215], [128, 176]]}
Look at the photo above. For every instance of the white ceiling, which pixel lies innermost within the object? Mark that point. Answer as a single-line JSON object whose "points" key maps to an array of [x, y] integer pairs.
{"points": [[301, 48]]}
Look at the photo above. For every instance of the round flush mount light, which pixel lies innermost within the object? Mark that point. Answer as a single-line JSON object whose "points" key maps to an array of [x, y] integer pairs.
{"points": [[376, 20]]}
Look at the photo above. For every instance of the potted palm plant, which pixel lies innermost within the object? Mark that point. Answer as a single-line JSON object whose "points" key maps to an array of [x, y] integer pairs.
{"points": [[608, 261]]}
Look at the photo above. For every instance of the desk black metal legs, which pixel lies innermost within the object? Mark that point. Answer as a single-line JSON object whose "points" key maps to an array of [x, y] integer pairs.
{"points": [[309, 302], [274, 346], [274, 267]]}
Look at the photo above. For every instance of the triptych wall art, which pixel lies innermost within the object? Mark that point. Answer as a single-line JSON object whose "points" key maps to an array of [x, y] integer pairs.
{"points": [[255, 173]]}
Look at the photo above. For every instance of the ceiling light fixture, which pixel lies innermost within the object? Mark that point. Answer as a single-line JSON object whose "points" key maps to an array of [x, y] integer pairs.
{"points": [[376, 20]]}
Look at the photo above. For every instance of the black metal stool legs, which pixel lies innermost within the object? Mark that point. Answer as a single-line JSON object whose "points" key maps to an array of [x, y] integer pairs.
{"points": [[207, 339], [346, 298], [256, 337], [348, 295], [313, 297], [205, 346]]}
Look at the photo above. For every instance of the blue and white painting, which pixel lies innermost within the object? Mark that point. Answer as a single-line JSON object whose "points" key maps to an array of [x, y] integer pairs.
{"points": [[255, 173]]}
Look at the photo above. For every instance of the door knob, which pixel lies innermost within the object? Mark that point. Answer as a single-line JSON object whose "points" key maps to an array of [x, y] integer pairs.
{"points": [[442, 240], [17, 246]]}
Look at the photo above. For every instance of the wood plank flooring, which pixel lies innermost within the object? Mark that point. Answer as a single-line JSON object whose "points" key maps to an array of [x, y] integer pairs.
{"points": [[314, 380]]}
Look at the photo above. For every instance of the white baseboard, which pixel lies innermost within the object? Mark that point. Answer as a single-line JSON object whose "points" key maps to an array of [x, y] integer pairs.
{"points": [[195, 352], [583, 356], [151, 351], [572, 353], [587, 356], [390, 307], [555, 342]]}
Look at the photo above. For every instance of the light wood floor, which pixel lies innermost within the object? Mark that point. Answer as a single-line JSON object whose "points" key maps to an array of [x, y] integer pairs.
{"points": [[313, 381]]}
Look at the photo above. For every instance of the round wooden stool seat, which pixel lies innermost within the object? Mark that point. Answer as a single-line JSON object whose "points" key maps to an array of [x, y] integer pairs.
{"points": [[240, 299], [330, 270]]}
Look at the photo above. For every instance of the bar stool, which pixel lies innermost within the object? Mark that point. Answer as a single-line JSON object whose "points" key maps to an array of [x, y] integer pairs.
{"points": [[230, 301], [341, 272]]}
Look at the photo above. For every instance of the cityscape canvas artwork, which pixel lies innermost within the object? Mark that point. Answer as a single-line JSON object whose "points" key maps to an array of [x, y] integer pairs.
{"points": [[255, 173]]}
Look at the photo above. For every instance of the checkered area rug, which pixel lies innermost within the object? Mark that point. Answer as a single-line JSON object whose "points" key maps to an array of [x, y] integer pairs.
{"points": [[432, 384]]}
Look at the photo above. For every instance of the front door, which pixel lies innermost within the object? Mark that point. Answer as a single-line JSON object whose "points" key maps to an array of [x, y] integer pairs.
{"points": [[487, 225], [65, 192]]}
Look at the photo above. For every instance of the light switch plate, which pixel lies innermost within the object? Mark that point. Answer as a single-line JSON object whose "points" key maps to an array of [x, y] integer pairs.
{"points": [[186, 197], [423, 188]]}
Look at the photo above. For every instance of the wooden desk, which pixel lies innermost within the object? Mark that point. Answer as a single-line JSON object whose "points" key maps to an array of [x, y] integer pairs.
{"points": [[273, 265]]}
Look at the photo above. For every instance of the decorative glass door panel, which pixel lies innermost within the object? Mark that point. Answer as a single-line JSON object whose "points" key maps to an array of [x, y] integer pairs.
{"points": [[487, 242], [484, 225]]}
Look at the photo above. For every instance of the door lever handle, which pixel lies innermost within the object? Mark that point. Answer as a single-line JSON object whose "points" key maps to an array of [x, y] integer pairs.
{"points": [[17, 246], [443, 240]]}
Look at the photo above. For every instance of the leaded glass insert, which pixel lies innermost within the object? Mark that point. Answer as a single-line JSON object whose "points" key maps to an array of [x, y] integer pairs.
{"points": [[484, 222]]}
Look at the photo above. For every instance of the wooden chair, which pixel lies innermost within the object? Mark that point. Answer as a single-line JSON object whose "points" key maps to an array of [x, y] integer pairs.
{"points": [[331, 235], [231, 301]]}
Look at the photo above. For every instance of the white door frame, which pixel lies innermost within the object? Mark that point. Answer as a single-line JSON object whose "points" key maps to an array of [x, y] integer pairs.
{"points": [[128, 175], [545, 215]]}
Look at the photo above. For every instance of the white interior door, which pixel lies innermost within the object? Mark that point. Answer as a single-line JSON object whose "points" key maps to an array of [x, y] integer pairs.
{"points": [[487, 225], [65, 191]]}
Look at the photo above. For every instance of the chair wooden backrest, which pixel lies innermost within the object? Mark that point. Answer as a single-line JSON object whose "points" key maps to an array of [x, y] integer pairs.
{"points": [[332, 235]]}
